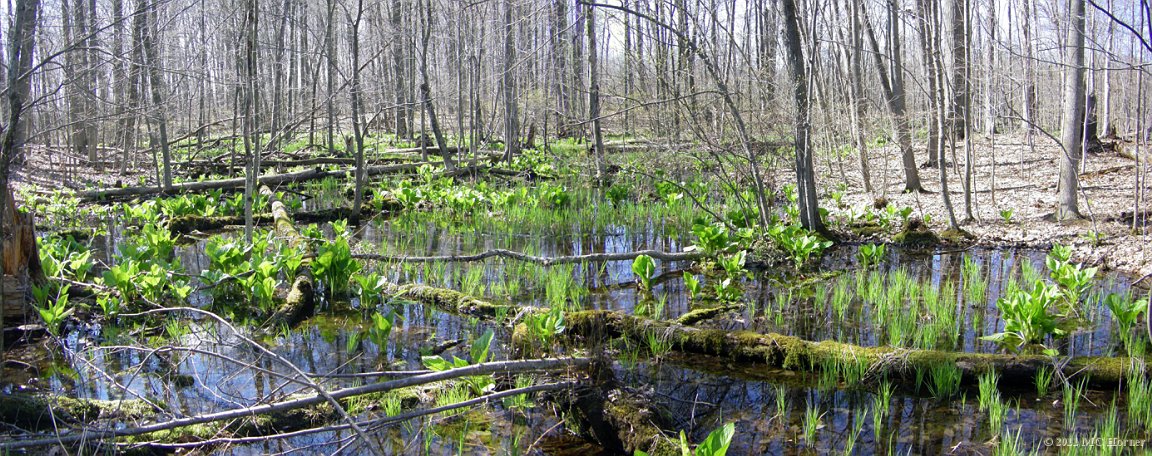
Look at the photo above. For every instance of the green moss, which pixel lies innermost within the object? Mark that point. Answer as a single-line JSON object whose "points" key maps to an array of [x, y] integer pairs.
{"points": [[956, 236], [637, 424], [38, 413], [695, 316], [916, 233], [866, 229], [192, 433]]}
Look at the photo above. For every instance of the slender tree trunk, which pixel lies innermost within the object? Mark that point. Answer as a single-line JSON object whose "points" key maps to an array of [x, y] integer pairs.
{"points": [[17, 232], [511, 114], [857, 92], [357, 125], [960, 92], [594, 92], [156, 83], [330, 78], [893, 91], [397, 51], [251, 105], [935, 156], [990, 73], [426, 91], [1073, 118], [1029, 98], [805, 170], [936, 70]]}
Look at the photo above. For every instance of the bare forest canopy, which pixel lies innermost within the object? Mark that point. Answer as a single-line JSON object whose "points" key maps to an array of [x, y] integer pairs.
{"points": [[112, 79]]}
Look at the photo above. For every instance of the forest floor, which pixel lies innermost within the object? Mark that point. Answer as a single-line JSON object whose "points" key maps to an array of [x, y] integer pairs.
{"points": [[1025, 183]]}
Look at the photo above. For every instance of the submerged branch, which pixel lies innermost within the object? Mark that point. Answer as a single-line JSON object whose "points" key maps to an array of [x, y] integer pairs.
{"points": [[545, 261]]}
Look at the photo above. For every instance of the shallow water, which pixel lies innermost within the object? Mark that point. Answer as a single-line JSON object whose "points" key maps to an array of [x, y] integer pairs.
{"points": [[700, 392]]}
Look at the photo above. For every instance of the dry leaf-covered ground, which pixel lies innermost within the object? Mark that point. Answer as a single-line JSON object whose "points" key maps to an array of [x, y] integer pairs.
{"points": [[1025, 182]]}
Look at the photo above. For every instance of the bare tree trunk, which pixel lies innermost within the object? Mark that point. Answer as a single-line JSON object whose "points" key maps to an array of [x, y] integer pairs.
{"points": [[18, 252], [936, 71], [960, 92], [594, 92], [426, 91], [858, 97], [330, 59], [1029, 121], [805, 171], [357, 107], [1072, 128], [251, 108], [156, 83], [135, 83], [990, 72], [511, 114], [401, 111], [893, 90], [935, 154], [1106, 111]]}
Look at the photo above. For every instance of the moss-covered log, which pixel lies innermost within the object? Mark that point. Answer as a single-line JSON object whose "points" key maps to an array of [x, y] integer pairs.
{"points": [[189, 223], [300, 303], [794, 353], [638, 424], [40, 413], [447, 300], [782, 351], [698, 315]]}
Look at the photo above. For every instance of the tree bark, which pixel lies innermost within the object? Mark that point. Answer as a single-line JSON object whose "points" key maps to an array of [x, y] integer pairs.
{"points": [[594, 93], [511, 113], [157, 86], [893, 91], [805, 170], [20, 257], [858, 97], [1072, 125], [426, 91]]}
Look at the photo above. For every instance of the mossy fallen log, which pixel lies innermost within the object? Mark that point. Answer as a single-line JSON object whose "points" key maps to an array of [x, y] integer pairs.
{"points": [[40, 413], [189, 223], [698, 315], [300, 303], [638, 424], [787, 352], [448, 300], [793, 353]]}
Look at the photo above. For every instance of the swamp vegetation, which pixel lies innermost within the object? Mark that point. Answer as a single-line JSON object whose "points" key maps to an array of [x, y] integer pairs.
{"points": [[575, 227], [532, 312]]}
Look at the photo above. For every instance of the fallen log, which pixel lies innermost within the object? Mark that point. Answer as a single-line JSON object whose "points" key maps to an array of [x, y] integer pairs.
{"points": [[545, 261], [45, 413], [793, 353], [787, 352], [269, 180], [300, 303], [189, 223]]}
